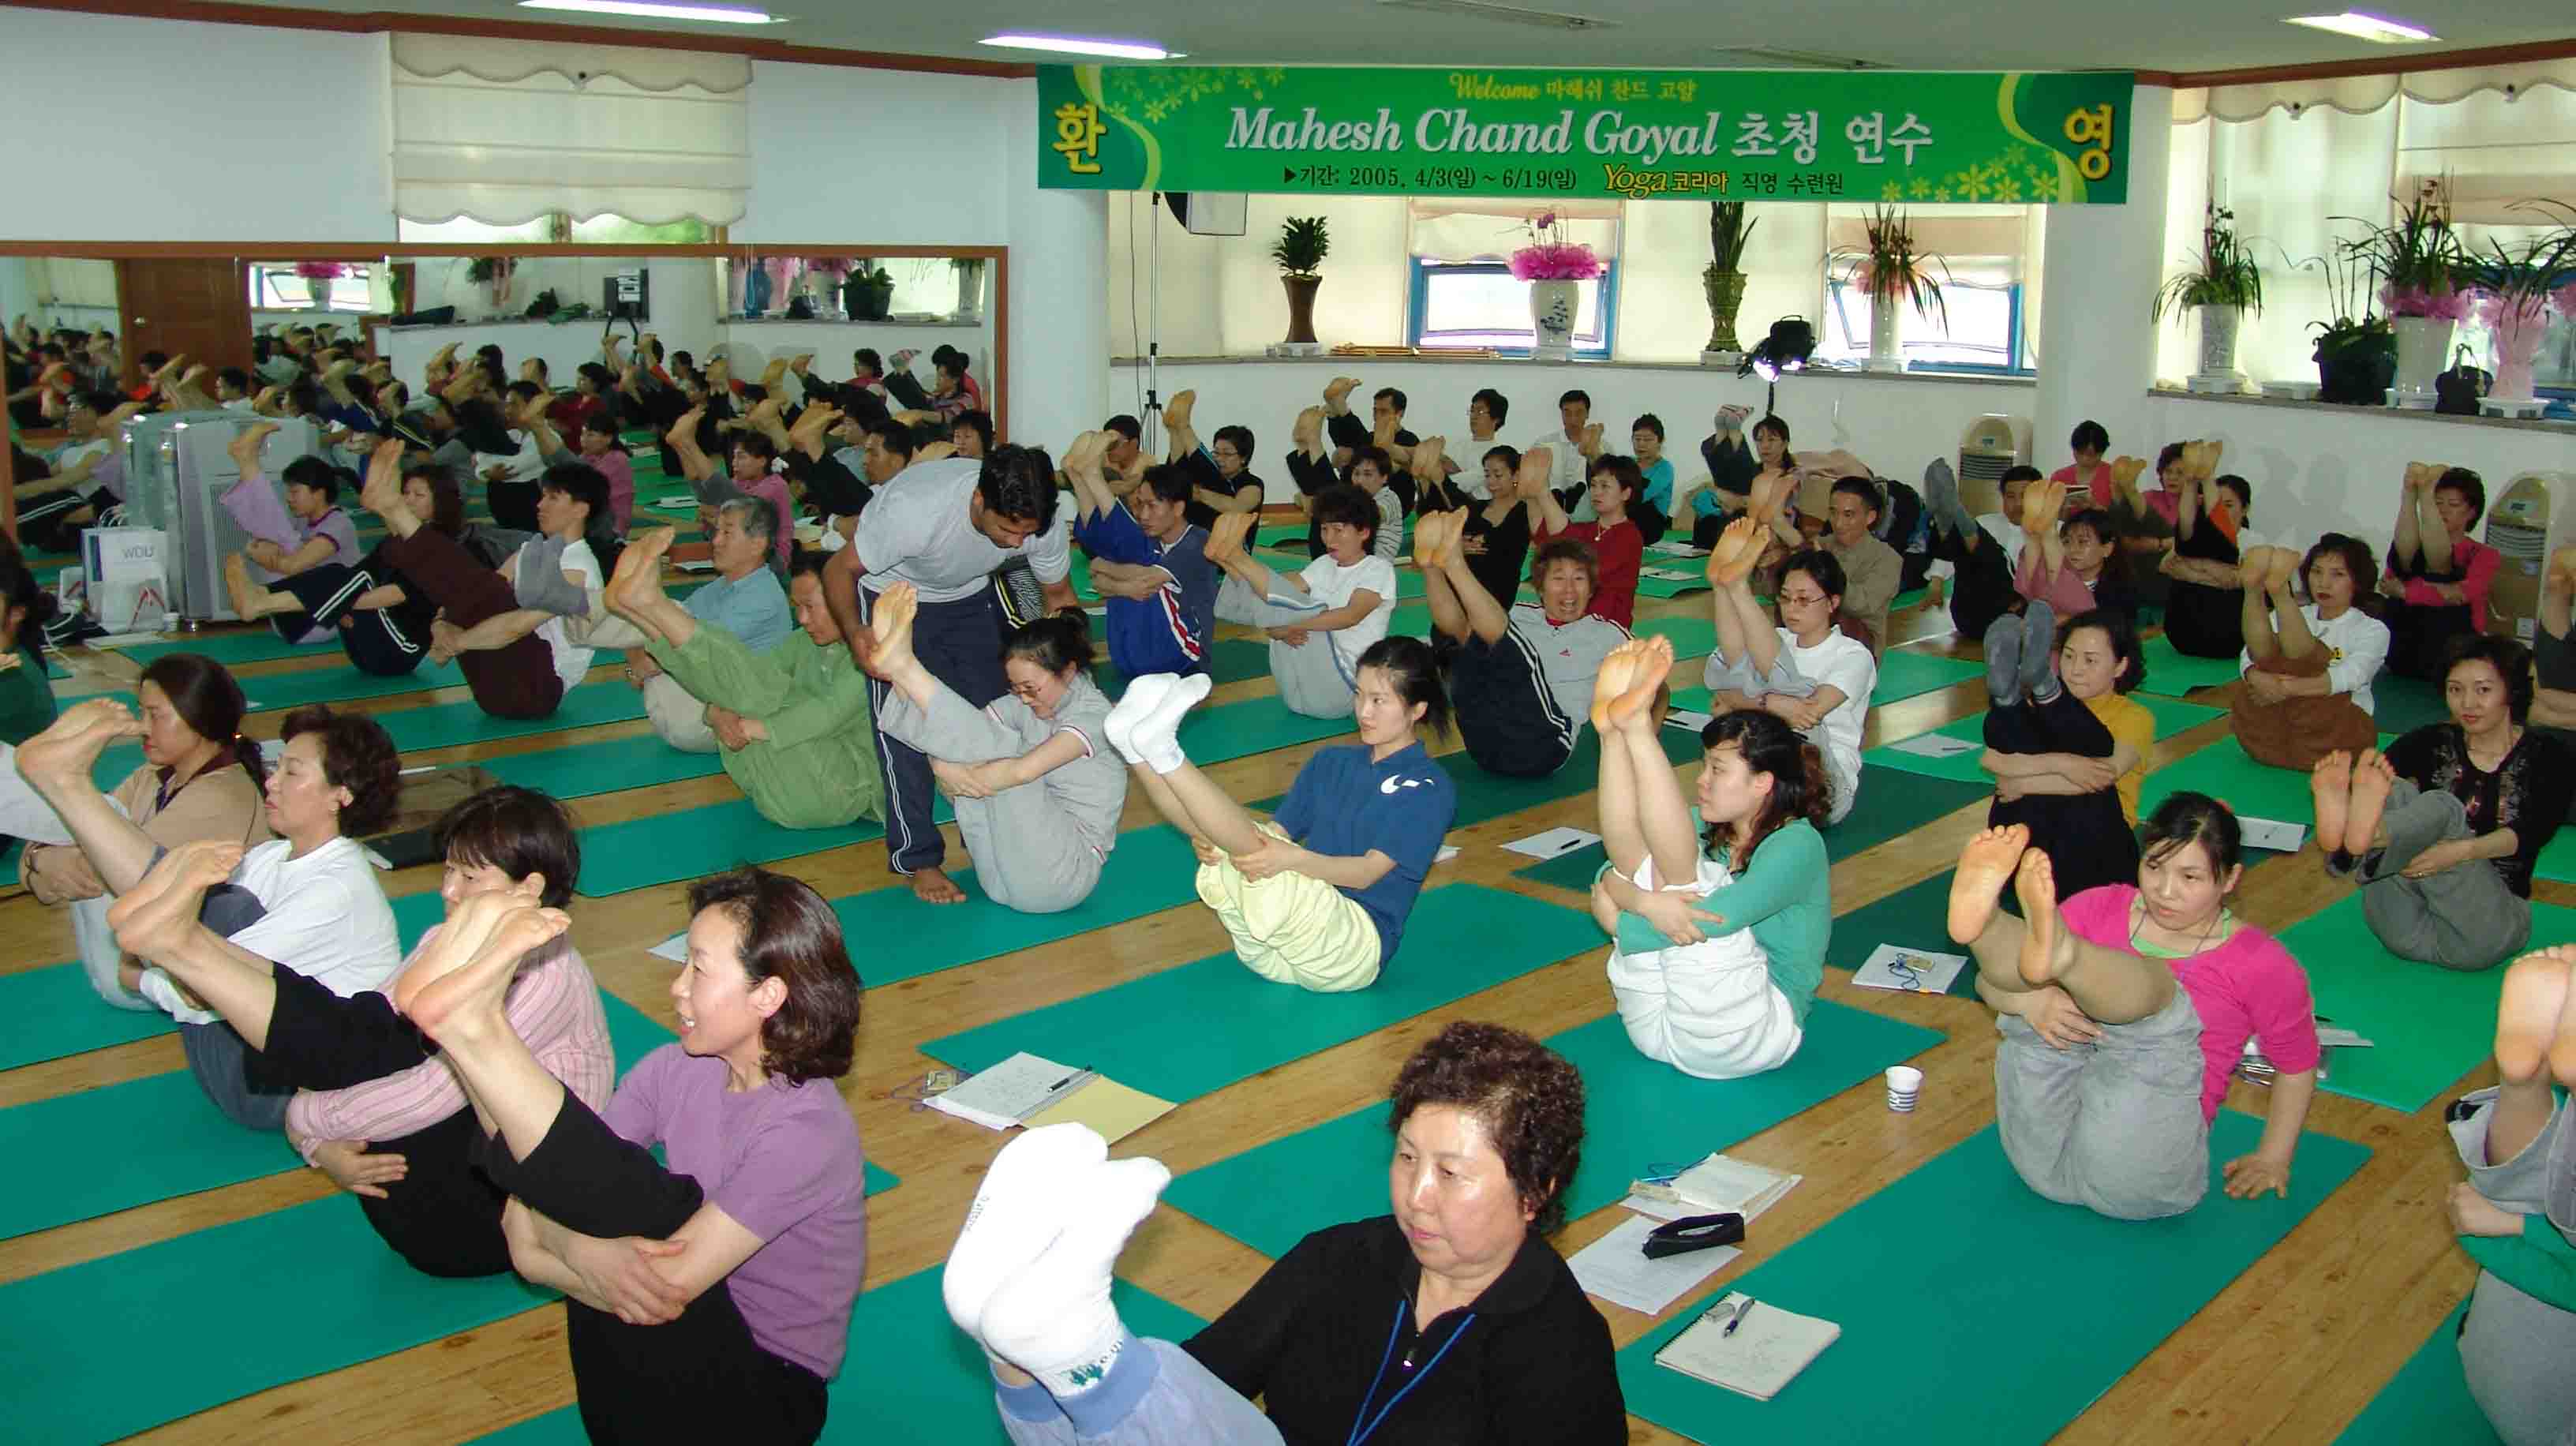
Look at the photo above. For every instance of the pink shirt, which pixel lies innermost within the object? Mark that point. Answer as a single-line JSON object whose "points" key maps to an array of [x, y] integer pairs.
{"points": [[619, 470], [772, 489], [2099, 483], [553, 1005], [2476, 564], [2246, 988]]}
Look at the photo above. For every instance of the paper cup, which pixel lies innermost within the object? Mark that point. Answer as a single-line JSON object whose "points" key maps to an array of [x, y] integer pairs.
{"points": [[1904, 1087]]}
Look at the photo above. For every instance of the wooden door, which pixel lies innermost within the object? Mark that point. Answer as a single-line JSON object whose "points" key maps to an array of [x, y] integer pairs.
{"points": [[194, 306]]}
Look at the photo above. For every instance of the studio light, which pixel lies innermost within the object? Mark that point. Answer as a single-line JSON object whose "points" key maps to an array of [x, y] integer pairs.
{"points": [[647, 9], [2377, 29], [1083, 45], [1786, 349]]}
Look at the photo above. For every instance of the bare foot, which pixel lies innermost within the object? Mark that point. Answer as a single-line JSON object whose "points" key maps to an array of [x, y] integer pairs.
{"points": [[2058, 492], [1617, 671], [891, 621], [1738, 548], [1984, 864], [466, 998], [2331, 782], [1427, 535], [2285, 566], [773, 376], [1176, 412], [1766, 495], [153, 919], [2529, 1014], [1537, 465], [237, 584], [1428, 455], [2372, 778], [2046, 946], [1226, 538], [2124, 475], [63, 753], [2036, 514], [2254, 567], [931, 885], [381, 492], [1635, 708], [1309, 429], [2210, 452], [637, 582], [1337, 392], [245, 445]]}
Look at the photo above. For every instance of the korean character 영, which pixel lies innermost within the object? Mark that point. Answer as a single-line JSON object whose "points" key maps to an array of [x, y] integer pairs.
{"points": [[1753, 136], [2092, 129], [1910, 135], [1868, 135], [1802, 136]]}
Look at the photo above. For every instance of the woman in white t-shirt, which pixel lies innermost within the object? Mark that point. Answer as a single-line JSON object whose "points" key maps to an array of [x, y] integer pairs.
{"points": [[1806, 671], [308, 896], [2308, 670], [1321, 620]]}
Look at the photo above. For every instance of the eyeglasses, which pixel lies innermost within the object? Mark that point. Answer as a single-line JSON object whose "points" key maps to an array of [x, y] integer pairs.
{"points": [[1803, 600]]}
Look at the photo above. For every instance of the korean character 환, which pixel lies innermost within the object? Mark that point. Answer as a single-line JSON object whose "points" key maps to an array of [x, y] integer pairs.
{"points": [[1077, 137]]}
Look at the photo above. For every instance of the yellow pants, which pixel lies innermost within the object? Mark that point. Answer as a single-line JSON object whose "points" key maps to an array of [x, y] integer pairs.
{"points": [[1293, 928]]}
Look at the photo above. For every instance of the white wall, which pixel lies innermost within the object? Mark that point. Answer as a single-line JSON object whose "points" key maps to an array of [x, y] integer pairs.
{"points": [[177, 131], [831, 342], [839, 154]]}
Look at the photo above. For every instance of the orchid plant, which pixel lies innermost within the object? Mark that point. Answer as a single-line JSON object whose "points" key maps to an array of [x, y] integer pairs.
{"points": [[1550, 257], [321, 270]]}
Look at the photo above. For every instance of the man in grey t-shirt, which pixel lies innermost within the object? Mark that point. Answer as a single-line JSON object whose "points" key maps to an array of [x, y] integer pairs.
{"points": [[943, 526]]}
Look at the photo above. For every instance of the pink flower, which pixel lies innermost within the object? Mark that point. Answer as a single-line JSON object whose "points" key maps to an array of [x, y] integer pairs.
{"points": [[1559, 262], [2496, 314], [2445, 305]]}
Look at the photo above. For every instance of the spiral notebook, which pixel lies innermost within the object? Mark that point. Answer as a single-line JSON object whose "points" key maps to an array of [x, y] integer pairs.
{"points": [[1768, 1350]]}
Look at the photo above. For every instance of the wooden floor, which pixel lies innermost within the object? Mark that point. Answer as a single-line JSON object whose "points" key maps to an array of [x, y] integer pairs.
{"points": [[2290, 1352]]}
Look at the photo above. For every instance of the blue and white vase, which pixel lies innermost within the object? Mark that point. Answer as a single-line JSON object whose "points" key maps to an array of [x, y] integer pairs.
{"points": [[1553, 305]]}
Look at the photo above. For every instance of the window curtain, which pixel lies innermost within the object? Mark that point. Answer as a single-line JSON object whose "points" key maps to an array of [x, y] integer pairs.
{"points": [[505, 132], [1453, 232], [2361, 94], [1980, 245]]}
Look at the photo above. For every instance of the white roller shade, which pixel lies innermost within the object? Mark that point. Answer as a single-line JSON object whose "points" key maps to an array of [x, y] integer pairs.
{"points": [[2362, 94]]}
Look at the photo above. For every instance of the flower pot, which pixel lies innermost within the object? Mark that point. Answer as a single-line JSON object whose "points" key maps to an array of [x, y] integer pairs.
{"points": [[865, 300], [1553, 305], [2358, 374], [1301, 306], [1725, 299], [1886, 352], [2218, 328], [2423, 348], [2518, 331]]}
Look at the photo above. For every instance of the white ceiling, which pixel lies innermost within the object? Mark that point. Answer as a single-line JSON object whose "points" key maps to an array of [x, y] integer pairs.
{"points": [[2178, 35]]}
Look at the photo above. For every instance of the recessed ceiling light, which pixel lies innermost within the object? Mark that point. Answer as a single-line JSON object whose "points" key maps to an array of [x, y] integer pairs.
{"points": [[1080, 45], [2374, 28], [717, 14]]}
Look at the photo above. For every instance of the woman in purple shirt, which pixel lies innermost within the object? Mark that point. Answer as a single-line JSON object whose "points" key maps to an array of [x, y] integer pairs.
{"points": [[709, 1299]]}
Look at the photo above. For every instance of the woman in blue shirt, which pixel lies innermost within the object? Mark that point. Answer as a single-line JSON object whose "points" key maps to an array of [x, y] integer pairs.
{"points": [[1318, 896]]}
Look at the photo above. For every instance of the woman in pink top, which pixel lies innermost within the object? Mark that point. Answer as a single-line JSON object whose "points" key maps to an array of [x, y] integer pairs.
{"points": [[378, 1111], [2089, 471], [2124, 1014], [2438, 573]]}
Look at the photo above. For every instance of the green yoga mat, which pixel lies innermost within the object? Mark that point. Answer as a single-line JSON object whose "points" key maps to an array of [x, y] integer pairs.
{"points": [[2172, 673], [344, 685], [2253, 790], [1693, 635], [1671, 587], [1903, 675], [1963, 1247], [1232, 660], [1483, 797], [1914, 917], [1150, 870], [2427, 1025], [2402, 705], [606, 766], [2557, 860], [2171, 717], [909, 1376], [1193, 1030], [234, 647], [2427, 1400], [1412, 620], [1636, 1112], [52, 1012], [443, 725]]}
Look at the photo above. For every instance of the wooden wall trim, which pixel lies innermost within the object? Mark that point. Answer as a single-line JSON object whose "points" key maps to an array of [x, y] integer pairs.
{"points": [[281, 17], [2396, 62]]}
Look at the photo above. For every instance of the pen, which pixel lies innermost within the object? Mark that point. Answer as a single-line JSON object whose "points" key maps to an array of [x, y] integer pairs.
{"points": [[1737, 1319], [1068, 1079]]}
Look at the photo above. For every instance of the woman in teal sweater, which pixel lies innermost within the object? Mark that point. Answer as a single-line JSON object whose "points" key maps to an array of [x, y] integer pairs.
{"points": [[2515, 1209], [1721, 913], [26, 698]]}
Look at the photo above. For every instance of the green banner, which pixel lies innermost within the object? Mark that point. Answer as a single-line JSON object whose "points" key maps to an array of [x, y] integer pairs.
{"points": [[1700, 135]]}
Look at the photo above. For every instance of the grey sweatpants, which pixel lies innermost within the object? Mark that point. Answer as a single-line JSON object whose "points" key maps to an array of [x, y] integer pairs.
{"points": [[1311, 678], [2514, 1347], [2114, 1126], [679, 717], [2461, 918], [1029, 855], [1737, 676], [1156, 1395]]}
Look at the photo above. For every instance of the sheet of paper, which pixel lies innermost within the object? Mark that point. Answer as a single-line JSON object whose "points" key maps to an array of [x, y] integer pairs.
{"points": [[1113, 1109], [1007, 1093], [1554, 843], [2273, 834], [675, 949], [1447, 852], [1616, 1269], [1937, 745], [1913, 971], [1671, 574], [1678, 549], [1686, 718], [701, 565]]}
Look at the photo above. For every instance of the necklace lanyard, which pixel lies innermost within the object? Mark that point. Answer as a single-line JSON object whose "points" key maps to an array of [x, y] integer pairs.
{"points": [[1360, 1432]]}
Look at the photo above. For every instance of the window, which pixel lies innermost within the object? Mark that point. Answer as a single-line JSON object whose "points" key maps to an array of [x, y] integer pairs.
{"points": [[1983, 333], [1465, 306], [275, 286], [557, 228]]}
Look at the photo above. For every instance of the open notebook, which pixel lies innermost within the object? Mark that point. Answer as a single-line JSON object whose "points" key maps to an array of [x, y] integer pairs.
{"points": [[1717, 1185], [1028, 1090], [1768, 1350]]}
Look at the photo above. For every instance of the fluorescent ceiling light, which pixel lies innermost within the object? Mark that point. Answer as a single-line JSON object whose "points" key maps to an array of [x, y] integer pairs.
{"points": [[2374, 28], [648, 9], [1078, 45]]}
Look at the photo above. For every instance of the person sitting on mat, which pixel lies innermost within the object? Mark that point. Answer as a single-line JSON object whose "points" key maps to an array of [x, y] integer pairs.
{"points": [[747, 474], [27, 705], [793, 722], [1148, 562], [744, 600], [2065, 743], [2205, 606], [1520, 674], [385, 627], [1805, 671], [1496, 536], [1317, 896], [2070, 565], [311, 894], [200, 779], [1321, 621], [304, 531], [2553, 654], [2515, 1211], [1980, 552], [2439, 575], [601, 450], [1500, 1344], [746, 1251], [376, 1109], [2307, 670], [2443, 831], [1036, 787], [1618, 548], [1718, 932], [2125, 1010], [1872, 570]]}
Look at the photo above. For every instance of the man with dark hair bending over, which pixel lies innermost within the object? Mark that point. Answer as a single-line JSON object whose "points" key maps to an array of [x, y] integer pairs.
{"points": [[944, 526]]}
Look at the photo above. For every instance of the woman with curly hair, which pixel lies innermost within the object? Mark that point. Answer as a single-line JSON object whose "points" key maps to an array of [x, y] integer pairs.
{"points": [[743, 1254], [308, 895], [1495, 1340], [1719, 912], [2308, 670]]}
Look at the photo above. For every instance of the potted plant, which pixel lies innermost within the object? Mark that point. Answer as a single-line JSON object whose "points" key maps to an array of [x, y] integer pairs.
{"points": [[2419, 264], [1554, 267], [1728, 230], [1303, 244], [2223, 284], [494, 272], [2356, 356], [2514, 288], [319, 275], [1888, 269], [869, 292]]}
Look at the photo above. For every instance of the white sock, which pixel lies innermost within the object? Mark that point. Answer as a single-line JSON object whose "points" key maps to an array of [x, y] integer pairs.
{"points": [[1016, 1215], [1054, 1319], [1137, 702], [1155, 738]]}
